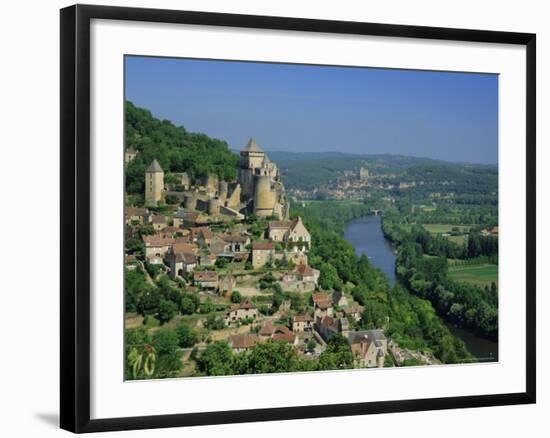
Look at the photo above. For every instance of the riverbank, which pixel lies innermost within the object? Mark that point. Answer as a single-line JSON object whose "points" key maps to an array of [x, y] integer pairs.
{"points": [[367, 237]]}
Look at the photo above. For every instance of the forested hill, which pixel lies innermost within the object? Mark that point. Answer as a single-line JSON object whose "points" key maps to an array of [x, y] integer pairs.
{"points": [[176, 149], [309, 170]]}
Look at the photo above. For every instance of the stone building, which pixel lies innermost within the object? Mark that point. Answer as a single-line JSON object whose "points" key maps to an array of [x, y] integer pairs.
{"points": [[129, 155], [154, 184], [262, 253], [293, 233], [261, 188], [363, 173], [302, 323], [369, 347], [246, 309]]}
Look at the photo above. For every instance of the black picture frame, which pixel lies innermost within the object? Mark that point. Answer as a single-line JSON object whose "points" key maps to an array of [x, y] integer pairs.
{"points": [[75, 217]]}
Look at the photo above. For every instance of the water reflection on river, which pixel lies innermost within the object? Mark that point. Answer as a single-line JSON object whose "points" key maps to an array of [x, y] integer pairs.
{"points": [[366, 236]]}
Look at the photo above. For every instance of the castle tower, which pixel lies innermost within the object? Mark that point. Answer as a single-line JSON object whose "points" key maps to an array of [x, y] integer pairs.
{"points": [[154, 184], [264, 198], [252, 157]]}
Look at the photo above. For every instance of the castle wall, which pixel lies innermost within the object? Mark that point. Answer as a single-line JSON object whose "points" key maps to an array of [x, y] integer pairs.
{"points": [[246, 180], [235, 198]]}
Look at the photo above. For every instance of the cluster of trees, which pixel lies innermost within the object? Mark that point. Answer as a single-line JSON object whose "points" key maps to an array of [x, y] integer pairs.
{"points": [[162, 301], [422, 268], [475, 245], [408, 319], [218, 359], [176, 149], [156, 355], [448, 212]]}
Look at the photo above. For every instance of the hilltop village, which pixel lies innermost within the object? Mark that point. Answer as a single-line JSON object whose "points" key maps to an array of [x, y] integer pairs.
{"points": [[222, 261]]}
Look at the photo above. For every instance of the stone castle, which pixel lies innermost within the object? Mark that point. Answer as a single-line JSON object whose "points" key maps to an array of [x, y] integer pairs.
{"points": [[262, 191], [258, 191]]}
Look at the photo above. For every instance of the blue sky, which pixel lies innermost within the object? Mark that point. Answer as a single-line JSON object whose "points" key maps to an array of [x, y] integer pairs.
{"points": [[441, 115]]}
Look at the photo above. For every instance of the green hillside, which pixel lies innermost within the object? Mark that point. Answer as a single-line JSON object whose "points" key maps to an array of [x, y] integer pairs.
{"points": [[176, 149]]}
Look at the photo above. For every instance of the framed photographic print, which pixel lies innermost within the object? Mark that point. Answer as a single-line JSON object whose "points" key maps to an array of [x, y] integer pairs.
{"points": [[271, 218]]}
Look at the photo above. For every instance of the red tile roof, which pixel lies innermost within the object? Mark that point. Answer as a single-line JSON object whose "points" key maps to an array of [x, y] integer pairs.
{"points": [[261, 246], [243, 341], [267, 329], [158, 219], [283, 333], [303, 318], [205, 276], [133, 211], [304, 270], [247, 304], [156, 240]]}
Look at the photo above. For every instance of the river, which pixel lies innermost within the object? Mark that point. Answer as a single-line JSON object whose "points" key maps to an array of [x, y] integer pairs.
{"points": [[366, 236]]}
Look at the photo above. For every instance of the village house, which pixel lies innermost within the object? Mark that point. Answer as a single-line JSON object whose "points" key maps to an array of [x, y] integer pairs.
{"points": [[302, 323], [156, 246], [183, 246], [182, 263], [202, 235], [137, 215], [159, 222], [277, 333], [303, 278], [243, 342], [307, 274], [262, 253], [328, 326], [339, 299], [267, 330], [354, 312], [277, 230], [369, 347], [218, 245], [207, 259], [236, 244], [170, 231], [290, 232], [206, 279], [322, 305], [246, 309], [284, 334], [187, 219]]}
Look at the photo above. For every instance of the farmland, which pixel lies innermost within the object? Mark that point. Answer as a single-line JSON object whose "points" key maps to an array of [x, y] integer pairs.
{"points": [[481, 275]]}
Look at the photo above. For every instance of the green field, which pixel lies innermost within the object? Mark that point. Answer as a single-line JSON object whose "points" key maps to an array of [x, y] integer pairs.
{"points": [[482, 275], [444, 228]]}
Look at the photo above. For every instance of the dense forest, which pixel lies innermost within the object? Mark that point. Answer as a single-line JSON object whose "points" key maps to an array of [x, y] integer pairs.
{"points": [[176, 149]]}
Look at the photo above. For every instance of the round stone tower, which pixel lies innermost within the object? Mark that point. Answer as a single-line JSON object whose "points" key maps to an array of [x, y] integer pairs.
{"points": [[222, 190], [190, 201], [264, 198], [214, 206]]}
